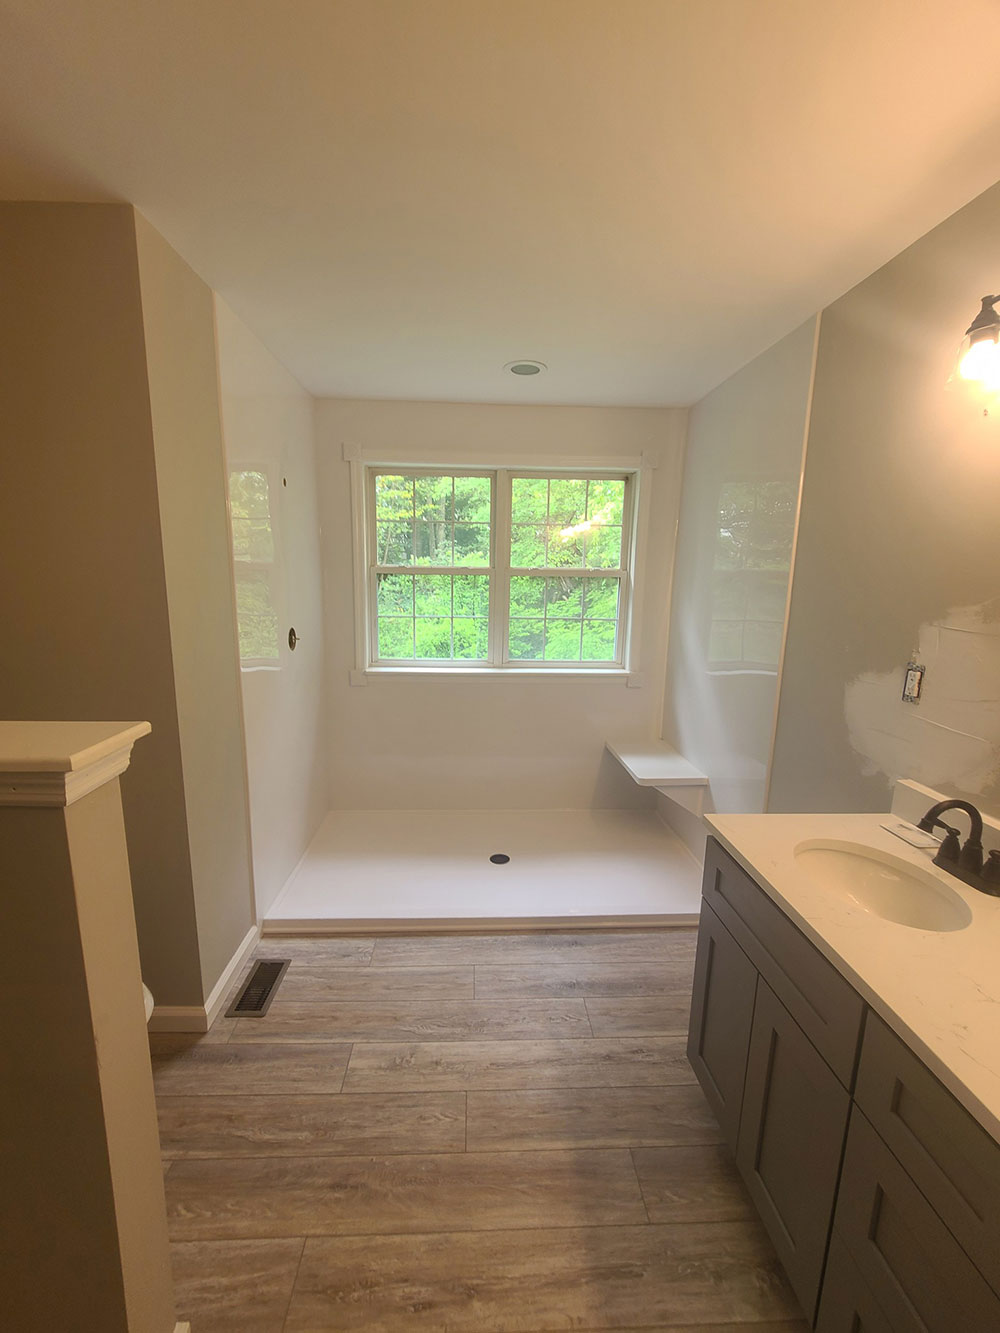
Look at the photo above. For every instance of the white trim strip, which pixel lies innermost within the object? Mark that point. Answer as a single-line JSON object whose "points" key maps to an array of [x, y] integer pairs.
{"points": [[57, 789], [457, 457], [199, 1018], [178, 1018], [219, 991], [792, 560], [450, 925]]}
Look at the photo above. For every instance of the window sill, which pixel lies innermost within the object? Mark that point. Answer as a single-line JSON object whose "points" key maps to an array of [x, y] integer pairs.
{"points": [[360, 677]]}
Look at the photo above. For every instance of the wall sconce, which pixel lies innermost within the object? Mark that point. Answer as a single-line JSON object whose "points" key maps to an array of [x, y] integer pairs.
{"points": [[979, 353]]}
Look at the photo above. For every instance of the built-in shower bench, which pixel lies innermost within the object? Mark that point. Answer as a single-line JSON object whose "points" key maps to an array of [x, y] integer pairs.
{"points": [[653, 763]]}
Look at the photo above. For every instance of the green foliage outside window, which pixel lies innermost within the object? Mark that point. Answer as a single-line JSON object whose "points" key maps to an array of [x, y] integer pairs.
{"points": [[560, 527]]}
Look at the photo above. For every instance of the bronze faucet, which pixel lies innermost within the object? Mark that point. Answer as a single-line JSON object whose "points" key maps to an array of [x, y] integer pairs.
{"points": [[965, 862]]}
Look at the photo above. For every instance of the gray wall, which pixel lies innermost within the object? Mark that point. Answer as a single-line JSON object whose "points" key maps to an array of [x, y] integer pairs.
{"points": [[87, 621], [744, 438], [899, 541]]}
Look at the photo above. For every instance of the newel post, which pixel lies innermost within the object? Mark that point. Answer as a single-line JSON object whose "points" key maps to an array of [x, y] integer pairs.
{"points": [[85, 1234]]}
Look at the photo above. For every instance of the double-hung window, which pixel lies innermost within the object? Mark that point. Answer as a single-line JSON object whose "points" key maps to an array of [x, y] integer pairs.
{"points": [[498, 568]]}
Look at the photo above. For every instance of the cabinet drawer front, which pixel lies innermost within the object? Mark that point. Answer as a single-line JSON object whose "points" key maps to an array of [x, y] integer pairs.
{"points": [[791, 1142], [825, 1006], [721, 1013], [951, 1158], [847, 1304], [917, 1271]]}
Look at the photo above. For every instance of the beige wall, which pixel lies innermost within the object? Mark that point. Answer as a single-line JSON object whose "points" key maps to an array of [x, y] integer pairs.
{"points": [[268, 422], [899, 543], [84, 611], [94, 625], [484, 741], [179, 326], [750, 431]]}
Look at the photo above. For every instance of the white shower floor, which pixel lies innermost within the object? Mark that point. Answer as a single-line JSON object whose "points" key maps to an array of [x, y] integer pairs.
{"points": [[426, 869]]}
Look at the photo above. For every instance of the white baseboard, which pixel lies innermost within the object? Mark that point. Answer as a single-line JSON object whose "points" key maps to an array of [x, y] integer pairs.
{"points": [[199, 1018], [177, 1018], [220, 990], [474, 925]]}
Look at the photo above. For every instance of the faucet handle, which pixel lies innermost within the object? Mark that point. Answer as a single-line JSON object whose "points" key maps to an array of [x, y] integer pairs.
{"points": [[991, 871], [972, 856], [950, 849]]}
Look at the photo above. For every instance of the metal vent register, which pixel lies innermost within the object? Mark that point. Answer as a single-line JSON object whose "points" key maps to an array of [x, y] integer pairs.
{"points": [[257, 991]]}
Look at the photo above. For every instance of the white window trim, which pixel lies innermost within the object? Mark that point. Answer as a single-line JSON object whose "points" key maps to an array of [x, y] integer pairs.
{"points": [[635, 533]]}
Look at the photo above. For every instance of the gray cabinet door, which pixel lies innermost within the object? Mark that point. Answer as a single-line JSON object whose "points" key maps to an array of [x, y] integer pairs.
{"points": [[847, 1304], [948, 1156], [826, 1007], [918, 1272], [791, 1140], [721, 1014]]}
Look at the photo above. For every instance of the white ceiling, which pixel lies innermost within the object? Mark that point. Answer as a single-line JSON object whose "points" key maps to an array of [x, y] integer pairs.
{"points": [[399, 196]]}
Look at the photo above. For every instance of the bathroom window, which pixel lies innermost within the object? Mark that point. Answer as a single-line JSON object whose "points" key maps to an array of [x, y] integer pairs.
{"points": [[254, 566], [753, 547], [499, 568]]}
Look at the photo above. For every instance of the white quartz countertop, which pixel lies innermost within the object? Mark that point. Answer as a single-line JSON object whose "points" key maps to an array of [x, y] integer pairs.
{"points": [[939, 990]]}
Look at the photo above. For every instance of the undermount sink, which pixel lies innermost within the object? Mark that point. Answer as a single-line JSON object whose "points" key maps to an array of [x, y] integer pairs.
{"points": [[883, 884]]}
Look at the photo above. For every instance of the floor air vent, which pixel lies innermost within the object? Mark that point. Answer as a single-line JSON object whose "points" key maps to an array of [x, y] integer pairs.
{"points": [[258, 989]]}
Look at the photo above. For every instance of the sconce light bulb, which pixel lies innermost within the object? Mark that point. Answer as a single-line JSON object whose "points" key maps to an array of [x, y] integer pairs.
{"points": [[981, 362]]}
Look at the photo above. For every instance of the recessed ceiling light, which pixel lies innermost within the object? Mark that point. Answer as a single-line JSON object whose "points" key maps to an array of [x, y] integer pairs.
{"points": [[525, 367]]}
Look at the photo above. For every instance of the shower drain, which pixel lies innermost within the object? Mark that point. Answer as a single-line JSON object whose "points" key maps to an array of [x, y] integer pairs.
{"points": [[499, 858]]}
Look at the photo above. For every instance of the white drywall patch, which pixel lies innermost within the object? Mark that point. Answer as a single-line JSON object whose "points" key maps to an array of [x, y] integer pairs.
{"points": [[952, 736]]}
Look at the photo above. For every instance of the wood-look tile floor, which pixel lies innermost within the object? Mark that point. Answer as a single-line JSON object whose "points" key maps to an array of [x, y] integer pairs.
{"points": [[489, 1133]]}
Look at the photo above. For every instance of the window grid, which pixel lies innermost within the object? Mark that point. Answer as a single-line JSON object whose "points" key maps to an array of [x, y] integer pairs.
{"points": [[499, 573]]}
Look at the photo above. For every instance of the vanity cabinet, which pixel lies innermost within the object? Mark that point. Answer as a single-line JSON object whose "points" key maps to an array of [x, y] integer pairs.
{"points": [[791, 1139], [773, 1041], [880, 1193], [725, 983]]}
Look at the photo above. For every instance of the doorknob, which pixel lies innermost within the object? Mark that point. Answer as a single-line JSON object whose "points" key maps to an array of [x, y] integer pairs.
{"points": [[293, 639]]}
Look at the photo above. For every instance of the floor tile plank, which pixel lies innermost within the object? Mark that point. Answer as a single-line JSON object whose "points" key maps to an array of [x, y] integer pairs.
{"points": [[532, 1154], [590, 1118], [311, 982], [597, 946], [296, 1126], [416, 1020], [335, 950], [235, 1286], [597, 1063], [691, 1184], [541, 1279], [568, 980], [642, 1016], [185, 1067], [315, 1196]]}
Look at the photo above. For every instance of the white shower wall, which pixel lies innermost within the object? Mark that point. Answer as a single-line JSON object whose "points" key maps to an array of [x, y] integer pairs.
{"points": [[268, 422], [490, 741]]}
